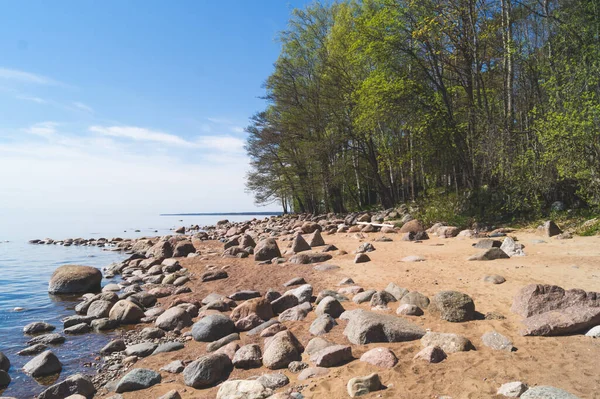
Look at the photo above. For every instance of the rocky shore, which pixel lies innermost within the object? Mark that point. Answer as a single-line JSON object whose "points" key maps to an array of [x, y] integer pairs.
{"points": [[304, 306]]}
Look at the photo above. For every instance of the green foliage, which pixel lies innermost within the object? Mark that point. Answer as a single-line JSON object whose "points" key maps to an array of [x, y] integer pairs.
{"points": [[487, 109]]}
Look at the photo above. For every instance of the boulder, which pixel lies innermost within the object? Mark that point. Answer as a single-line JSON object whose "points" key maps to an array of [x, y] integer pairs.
{"points": [[331, 356], [258, 306], [207, 370], [137, 379], [315, 239], [76, 384], [75, 279], [360, 386], [490, 254], [381, 298], [415, 298], [38, 327], [174, 318], [172, 394], [380, 357], [126, 312], [363, 296], [487, 243], [116, 345], [175, 367], [330, 306], [362, 258], [547, 392], [5, 380], [453, 306], [142, 349], [412, 226], [46, 363], [243, 389], [299, 244], [282, 349], [273, 380], [183, 248], [214, 346], [409, 310], [248, 356], [494, 279], [497, 341], [511, 248], [307, 258], [431, 354], [322, 325], [512, 389], [168, 347], [267, 249], [366, 327], [593, 332], [449, 343], [549, 229], [99, 309], [4, 362], [569, 320], [47, 339], [162, 249], [537, 298], [303, 293], [212, 328], [214, 275]]}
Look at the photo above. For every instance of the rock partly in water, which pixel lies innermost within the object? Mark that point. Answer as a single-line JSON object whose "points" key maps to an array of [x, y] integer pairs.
{"points": [[75, 279], [77, 384], [46, 363]]}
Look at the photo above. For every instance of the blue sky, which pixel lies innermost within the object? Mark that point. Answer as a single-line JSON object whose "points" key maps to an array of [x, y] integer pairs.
{"points": [[131, 105]]}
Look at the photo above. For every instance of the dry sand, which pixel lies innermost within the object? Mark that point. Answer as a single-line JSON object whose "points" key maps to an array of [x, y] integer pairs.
{"points": [[571, 363]]}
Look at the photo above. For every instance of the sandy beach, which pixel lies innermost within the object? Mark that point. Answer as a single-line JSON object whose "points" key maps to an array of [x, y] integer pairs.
{"points": [[567, 362]]}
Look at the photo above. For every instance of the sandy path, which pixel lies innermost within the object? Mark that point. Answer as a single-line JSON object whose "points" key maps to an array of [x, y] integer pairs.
{"points": [[571, 363]]}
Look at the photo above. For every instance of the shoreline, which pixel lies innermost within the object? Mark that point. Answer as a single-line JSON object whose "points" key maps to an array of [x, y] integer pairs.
{"points": [[205, 256]]}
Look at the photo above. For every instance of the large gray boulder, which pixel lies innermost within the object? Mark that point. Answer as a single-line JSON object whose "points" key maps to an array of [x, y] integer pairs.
{"points": [[207, 370], [366, 327], [538, 298], [46, 363], [452, 306], [282, 349], [306, 258], [76, 384], [138, 379], [267, 249], [212, 328], [75, 279], [562, 321], [174, 318], [126, 312], [38, 327]]}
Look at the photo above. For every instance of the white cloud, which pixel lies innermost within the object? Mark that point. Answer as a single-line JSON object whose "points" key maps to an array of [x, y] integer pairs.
{"points": [[238, 129], [33, 99], [44, 129], [26, 77], [139, 134], [102, 175], [83, 107], [221, 143]]}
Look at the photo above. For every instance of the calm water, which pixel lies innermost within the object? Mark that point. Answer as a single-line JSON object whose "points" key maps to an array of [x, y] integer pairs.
{"points": [[26, 269]]}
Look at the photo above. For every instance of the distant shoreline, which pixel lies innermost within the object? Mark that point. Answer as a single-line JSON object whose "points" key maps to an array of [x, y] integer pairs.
{"points": [[224, 214]]}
